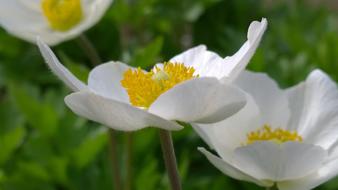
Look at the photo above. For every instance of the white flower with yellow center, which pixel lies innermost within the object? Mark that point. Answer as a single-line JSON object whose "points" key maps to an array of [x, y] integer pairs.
{"points": [[54, 21], [286, 137], [192, 87]]}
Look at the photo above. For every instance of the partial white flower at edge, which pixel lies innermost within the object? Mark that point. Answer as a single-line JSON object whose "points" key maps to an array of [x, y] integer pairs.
{"points": [[196, 82], [286, 137], [54, 21]]}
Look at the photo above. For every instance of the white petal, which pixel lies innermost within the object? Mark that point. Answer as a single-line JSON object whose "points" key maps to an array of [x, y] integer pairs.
{"points": [[203, 100], [205, 133], [235, 64], [21, 18], [271, 100], [209, 64], [203, 61], [295, 96], [231, 170], [105, 80], [58, 69], [325, 173], [227, 135], [266, 104], [315, 104], [279, 162], [114, 114]]}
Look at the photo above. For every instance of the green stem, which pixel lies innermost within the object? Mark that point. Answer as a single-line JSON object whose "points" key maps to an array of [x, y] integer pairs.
{"points": [[170, 159], [89, 49], [114, 160], [129, 174]]}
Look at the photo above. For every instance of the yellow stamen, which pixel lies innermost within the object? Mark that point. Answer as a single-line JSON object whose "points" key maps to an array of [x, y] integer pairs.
{"points": [[144, 88], [277, 135], [62, 15]]}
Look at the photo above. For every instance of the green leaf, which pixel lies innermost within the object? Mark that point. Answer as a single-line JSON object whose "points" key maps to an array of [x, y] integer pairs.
{"points": [[39, 115], [9, 142], [58, 169], [87, 151], [34, 170], [148, 178], [147, 56]]}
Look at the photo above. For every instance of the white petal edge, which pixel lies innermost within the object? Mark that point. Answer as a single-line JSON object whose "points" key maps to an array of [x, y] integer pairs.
{"points": [[200, 100], [324, 174], [209, 64], [235, 64], [318, 113], [105, 80], [225, 136], [272, 101], [203, 61], [232, 171], [27, 20], [58, 69], [114, 114], [268, 160]]}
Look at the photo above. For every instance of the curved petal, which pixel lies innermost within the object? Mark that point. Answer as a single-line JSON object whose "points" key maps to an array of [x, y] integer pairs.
{"points": [[205, 133], [271, 100], [231, 170], [227, 135], [325, 173], [315, 109], [203, 61], [202, 100], [105, 80], [279, 162], [22, 18], [209, 64], [58, 69], [266, 104], [114, 114], [235, 64]]}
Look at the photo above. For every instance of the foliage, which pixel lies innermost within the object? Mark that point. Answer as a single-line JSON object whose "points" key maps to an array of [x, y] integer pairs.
{"points": [[45, 146]]}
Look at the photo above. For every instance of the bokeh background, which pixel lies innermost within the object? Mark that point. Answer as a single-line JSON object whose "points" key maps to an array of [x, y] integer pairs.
{"points": [[43, 145]]}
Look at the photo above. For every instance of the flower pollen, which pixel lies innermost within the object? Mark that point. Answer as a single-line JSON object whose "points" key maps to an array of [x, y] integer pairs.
{"points": [[144, 88], [277, 135], [62, 15]]}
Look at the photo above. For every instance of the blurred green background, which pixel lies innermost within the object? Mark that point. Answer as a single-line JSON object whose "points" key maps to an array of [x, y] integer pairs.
{"points": [[43, 145]]}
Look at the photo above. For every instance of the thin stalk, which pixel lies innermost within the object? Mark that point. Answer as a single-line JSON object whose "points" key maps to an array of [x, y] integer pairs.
{"points": [[170, 159], [114, 160], [89, 49], [129, 172]]}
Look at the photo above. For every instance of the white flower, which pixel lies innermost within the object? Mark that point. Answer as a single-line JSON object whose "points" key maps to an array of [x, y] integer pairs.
{"points": [[283, 137], [189, 88], [54, 21]]}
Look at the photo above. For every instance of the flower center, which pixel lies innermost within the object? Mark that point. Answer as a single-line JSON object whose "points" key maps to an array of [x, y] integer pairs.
{"points": [[144, 88], [62, 15], [277, 135]]}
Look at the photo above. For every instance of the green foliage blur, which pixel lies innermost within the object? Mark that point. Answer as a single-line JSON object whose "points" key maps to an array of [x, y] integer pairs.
{"points": [[44, 146]]}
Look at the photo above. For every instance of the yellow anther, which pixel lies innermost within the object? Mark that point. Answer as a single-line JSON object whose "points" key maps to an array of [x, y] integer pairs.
{"points": [[62, 15], [277, 135], [144, 88]]}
